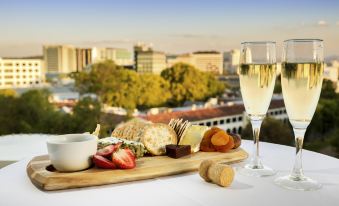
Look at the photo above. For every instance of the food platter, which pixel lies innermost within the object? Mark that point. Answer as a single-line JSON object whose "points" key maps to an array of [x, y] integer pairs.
{"points": [[136, 150], [43, 175]]}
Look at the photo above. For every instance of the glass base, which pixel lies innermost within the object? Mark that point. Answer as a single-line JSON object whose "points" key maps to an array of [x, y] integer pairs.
{"points": [[297, 183], [255, 171]]}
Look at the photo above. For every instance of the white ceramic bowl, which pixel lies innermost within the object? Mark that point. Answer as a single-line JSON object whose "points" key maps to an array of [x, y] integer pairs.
{"points": [[71, 152]]}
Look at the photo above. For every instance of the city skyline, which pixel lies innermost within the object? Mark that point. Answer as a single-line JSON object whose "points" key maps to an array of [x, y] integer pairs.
{"points": [[173, 27]]}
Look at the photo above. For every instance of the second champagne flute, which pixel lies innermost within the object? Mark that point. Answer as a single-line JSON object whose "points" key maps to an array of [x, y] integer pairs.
{"points": [[257, 73]]}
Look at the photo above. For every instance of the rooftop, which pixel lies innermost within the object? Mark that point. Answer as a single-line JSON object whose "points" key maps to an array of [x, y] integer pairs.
{"points": [[38, 57], [206, 113], [206, 52]]}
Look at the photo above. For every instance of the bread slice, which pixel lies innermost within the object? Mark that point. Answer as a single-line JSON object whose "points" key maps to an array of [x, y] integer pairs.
{"points": [[155, 137]]}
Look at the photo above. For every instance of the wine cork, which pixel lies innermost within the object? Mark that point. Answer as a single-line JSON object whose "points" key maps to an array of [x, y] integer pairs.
{"points": [[203, 169], [220, 174]]}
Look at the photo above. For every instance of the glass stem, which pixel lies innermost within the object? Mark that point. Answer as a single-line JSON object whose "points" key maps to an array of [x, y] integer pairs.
{"points": [[297, 172], [256, 161]]}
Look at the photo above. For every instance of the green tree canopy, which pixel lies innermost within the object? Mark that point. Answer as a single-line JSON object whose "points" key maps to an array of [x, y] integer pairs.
{"points": [[325, 119], [272, 130], [189, 84], [114, 85], [86, 114], [33, 113], [328, 90], [8, 92], [277, 86], [153, 91], [123, 88]]}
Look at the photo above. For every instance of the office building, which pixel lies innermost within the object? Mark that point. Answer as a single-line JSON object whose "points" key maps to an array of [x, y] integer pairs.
{"points": [[184, 58], [140, 47], [150, 62], [331, 71], [231, 61], [60, 59], [121, 57], [83, 58], [21, 73], [207, 61]]}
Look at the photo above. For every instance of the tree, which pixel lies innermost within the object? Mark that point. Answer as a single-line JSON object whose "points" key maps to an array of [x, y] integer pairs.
{"points": [[86, 114], [8, 92], [272, 130], [189, 84], [328, 90], [334, 140], [153, 91], [114, 85], [214, 87], [33, 113], [93, 81], [325, 119], [277, 86], [8, 120]]}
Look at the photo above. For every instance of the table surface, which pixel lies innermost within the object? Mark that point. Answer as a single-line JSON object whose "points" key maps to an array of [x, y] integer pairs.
{"points": [[186, 189], [19, 146]]}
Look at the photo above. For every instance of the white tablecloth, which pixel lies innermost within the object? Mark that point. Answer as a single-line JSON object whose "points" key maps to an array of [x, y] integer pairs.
{"points": [[187, 189], [19, 146]]}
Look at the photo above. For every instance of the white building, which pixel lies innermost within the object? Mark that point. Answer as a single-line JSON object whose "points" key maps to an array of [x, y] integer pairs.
{"points": [[83, 58], [231, 118], [207, 61], [331, 72], [60, 59], [21, 73], [231, 61], [151, 62], [121, 57]]}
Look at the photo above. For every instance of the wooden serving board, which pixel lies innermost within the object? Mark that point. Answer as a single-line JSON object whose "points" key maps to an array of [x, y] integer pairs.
{"points": [[43, 175]]}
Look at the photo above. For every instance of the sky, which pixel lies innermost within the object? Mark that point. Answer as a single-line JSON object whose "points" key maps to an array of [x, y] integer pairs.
{"points": [[176, 26]]}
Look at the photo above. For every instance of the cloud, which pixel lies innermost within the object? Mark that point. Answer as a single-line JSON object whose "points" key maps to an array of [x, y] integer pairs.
{"points": [[322, 23]]}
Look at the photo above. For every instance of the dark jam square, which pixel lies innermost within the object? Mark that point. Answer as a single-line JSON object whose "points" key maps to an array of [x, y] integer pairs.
{"points": [[177, 151]]}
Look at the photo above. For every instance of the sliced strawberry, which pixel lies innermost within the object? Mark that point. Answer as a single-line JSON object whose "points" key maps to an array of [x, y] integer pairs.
{"points": [[108, 150], [130, 153], [102, 162], [124, 159]]}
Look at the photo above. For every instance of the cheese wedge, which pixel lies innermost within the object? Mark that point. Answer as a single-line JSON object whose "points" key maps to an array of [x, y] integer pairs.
{"points": [[193, 137]]}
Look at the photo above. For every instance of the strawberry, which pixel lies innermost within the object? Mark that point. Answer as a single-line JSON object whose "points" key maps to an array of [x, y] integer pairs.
{"points": [[108, 150], [124, 159], [102, 162]]}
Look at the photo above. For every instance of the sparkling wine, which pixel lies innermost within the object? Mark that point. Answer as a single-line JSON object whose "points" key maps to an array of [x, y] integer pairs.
{"points": [[301, 86], [257, 84]]}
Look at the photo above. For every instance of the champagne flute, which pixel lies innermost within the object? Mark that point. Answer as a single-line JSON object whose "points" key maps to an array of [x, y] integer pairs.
{"points": [[257, 74], [301, 78]]}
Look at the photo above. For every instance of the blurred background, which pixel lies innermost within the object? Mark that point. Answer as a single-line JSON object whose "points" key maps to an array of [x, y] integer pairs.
{"points": [[66, 66]]}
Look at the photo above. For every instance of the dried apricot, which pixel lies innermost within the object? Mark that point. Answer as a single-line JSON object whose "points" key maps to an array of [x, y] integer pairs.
{"points": [[206, 144], [207, 148], [227, 147], [220, 138], [209, 133]]}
